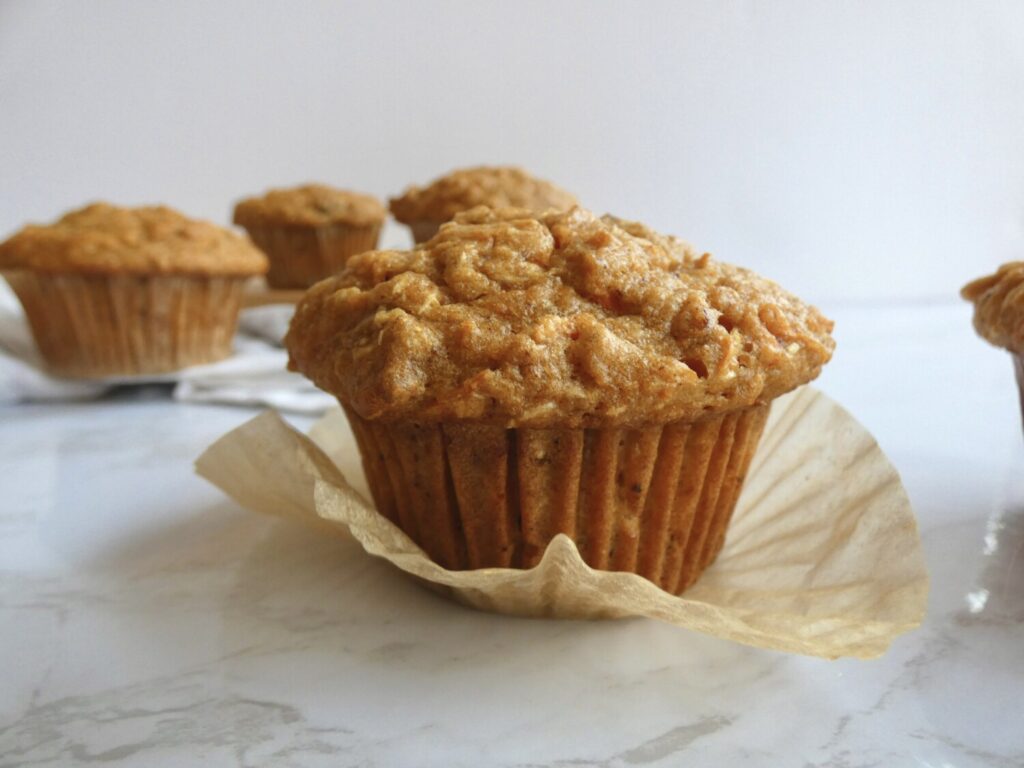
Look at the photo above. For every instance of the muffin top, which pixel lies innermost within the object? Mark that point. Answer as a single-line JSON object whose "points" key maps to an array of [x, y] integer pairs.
{"points": [[467, 188], [106, 239], [999, 306], [311, 205], [556, 320]]}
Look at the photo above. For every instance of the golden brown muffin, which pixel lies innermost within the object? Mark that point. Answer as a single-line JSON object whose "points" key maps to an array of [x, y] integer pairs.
{"points": [[115, 291], [525, 375], [999, 306], [999, 313], [425, 209], [309, 232]]}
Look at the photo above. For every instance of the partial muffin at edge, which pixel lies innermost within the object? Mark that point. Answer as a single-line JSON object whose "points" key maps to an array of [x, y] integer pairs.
{"points": [[999, 306], [999, 313]]}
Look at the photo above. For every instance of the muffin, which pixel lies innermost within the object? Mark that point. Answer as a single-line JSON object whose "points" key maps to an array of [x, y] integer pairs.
{"points": [[999, 313], [114, 291], [425, 209], [525, 375], [309, 232]]}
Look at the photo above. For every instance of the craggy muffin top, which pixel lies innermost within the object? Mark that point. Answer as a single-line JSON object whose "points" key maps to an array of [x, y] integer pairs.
{"points": [[105, 239], [558, 320], [999, 306], [461, 190], [311, 205]]}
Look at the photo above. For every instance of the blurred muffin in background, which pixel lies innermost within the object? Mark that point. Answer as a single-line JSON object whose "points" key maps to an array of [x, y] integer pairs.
{"points": [[425, 209], [999, 312], [118, 291], [524, 375], [309, 232]]}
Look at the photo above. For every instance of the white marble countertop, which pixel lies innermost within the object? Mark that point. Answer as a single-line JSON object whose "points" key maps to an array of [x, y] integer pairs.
{"points": [[145, 620]]}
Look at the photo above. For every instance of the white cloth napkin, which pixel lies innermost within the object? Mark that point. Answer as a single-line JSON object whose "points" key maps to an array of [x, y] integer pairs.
{"points": [[254, 375]]}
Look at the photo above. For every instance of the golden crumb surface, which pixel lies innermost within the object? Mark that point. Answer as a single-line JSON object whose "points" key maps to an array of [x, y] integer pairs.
{"points": [[107, 239], [557, 320], [310, 205], [495, 187], [999, 306]]}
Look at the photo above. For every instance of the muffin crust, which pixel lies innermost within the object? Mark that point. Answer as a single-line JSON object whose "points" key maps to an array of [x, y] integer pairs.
{"points": [[563, 319], [106, 239], [999, 306], [495, 187], [310, 205]]}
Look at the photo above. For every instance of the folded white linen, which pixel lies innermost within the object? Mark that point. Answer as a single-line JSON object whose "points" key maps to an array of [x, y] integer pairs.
{"points": [[255, 374]]}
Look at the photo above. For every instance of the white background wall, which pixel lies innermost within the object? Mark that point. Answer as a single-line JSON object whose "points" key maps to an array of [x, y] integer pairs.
{"points": [[860, 151]]}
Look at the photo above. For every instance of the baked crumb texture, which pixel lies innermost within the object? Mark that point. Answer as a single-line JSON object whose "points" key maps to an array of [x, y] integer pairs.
{"points": [[999, 306], [309, 232], [107, 239], [310, 205], [563, 320], [495, 187]]}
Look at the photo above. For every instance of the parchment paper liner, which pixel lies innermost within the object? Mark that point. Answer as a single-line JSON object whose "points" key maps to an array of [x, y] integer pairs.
{"points": [[103, 325], [300, 256], [822, 556]]}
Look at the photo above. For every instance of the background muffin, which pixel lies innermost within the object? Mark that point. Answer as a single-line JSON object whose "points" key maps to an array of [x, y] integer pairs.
{"points": [[425, 209], [999, 312], [522, 376], [309, 232], [113, 291]]}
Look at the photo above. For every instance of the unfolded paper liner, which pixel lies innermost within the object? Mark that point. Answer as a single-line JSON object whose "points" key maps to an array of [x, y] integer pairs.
{"points": [[822, 556], [301, 256], [92, 326]]}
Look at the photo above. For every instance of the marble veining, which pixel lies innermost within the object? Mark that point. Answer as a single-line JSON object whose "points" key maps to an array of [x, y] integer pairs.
{"points": [[147, 621]]}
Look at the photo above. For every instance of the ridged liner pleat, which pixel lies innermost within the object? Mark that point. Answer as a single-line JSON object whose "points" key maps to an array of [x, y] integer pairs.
{"points": [[652, 501], [301, 256], [106, 325]]}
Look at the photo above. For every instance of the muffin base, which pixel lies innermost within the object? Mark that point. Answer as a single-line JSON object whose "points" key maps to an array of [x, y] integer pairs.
{"points": [[653, 501], [302, 256], [90, 326], [423, 230]]}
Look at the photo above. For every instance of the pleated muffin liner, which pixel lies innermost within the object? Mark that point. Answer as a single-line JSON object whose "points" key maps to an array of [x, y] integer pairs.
{"points": [[301, 256], [89, 326], [653, 501], [822, 556]]}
